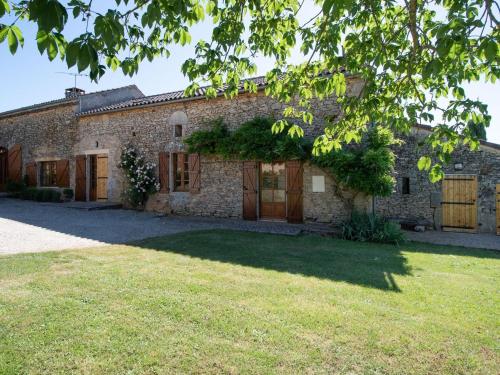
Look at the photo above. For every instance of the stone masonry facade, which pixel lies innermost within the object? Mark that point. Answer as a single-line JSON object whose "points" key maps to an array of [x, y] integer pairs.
{"points": [[60, 132]]}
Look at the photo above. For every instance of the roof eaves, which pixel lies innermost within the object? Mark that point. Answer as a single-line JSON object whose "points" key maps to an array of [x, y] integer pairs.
{"points": [[38, 107]]}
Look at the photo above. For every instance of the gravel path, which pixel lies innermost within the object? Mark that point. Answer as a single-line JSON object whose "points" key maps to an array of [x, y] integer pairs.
{"points": [[479, 240], [27, 226]]}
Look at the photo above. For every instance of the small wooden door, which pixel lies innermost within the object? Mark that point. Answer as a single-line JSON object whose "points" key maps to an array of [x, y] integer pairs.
{"points": [[273, 191], [250, 190], [3, 168], [102, 177], [498, 209], [459, 203], [15, 164], [81, 178]]}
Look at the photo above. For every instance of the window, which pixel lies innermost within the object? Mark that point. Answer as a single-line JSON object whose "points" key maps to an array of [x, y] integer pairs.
{"points": [[181, 172], [48, 173], [178, 131], [405, 185]]}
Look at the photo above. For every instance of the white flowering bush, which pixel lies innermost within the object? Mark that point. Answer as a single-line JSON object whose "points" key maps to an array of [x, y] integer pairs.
{"points": [[140, 175]]}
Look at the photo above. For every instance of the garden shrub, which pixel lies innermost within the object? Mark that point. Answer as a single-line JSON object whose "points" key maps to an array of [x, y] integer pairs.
{"points": [[372, 228], [39, 195], [55, 196], [68, 193], [140, 176], [14, 186], [29, 193], [47, 195]]}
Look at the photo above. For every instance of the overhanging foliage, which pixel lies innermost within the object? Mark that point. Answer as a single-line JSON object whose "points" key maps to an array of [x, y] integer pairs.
{"points": [[414, 57]]}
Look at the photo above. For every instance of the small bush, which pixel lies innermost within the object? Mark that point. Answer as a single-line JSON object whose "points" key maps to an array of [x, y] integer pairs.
{"points": [[39, 193], [68, 193], [55, 196], [14, 187], [29, 193], [47, 195], [369, 227]]}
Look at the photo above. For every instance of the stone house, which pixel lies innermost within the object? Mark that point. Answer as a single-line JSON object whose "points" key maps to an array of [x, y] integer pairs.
{"points": [[77, 141]]}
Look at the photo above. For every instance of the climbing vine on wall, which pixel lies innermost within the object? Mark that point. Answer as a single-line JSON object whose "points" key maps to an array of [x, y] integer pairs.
{"points": [[366, 167], [141, 179], [253, 140]]}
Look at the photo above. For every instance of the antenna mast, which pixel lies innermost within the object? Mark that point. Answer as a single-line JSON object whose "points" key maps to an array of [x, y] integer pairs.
{"points": [[74, 75]]}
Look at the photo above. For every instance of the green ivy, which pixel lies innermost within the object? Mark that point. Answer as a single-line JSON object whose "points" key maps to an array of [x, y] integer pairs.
{"points": [[366, 167], [254, 140]]}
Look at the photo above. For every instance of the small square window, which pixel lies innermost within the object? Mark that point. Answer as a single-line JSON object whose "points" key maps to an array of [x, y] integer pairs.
{"points": [[405, 185], [178, 130]]}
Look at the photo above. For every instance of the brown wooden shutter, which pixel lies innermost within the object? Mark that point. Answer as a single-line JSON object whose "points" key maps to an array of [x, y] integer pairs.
{"points": [[250, 190], [81, 178], [31, 173], [194, 173], [294, 185], [102, 177], [15, 166], [163, 171], [62, 173]]}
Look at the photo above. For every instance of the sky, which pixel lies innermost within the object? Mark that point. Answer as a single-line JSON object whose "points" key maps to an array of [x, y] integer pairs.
{"points": [[28, 78]]}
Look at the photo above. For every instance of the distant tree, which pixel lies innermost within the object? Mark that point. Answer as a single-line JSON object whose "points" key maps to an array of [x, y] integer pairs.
{"points": [[409, 54]]}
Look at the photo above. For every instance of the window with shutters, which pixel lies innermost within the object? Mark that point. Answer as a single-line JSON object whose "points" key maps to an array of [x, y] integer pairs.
{"points": [[48, 175], [180, 164]]}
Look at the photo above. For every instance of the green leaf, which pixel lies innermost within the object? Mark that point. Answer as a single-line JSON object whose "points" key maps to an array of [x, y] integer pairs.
{"points": [[4, 7], [12, 41], [424, 163], [491, 51]]}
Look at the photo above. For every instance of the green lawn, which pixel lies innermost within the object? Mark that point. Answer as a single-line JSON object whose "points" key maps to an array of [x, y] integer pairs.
{"points": [[234, 302]]}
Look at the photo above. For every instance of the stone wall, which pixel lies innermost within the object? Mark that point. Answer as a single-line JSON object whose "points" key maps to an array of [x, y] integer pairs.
{"points": [[151, 130], [47, 134], [417, 205]]}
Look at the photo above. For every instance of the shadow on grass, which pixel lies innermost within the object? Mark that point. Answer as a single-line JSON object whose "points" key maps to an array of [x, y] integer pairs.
{"points": [[363, 264]]}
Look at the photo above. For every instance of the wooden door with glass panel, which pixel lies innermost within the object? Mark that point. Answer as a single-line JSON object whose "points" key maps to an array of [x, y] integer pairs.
{"points": [[272, 191]]}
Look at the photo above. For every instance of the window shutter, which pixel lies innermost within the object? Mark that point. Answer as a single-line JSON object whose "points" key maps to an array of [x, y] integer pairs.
{"points": [[62, 173], [81, 178], [15, 166], [163, 171], [250, 190], [31, 173], [294, 177], [194, 173]]}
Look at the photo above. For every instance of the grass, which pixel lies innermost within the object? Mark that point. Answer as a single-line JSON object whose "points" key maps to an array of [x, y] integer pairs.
{"points": [[234, 302]]}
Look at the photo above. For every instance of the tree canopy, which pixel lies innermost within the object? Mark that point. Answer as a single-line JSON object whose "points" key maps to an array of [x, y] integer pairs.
{"points": [[414, 56]]}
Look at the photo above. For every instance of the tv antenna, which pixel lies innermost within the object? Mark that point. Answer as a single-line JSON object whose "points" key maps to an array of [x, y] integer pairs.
{"points": [[74, 75]]}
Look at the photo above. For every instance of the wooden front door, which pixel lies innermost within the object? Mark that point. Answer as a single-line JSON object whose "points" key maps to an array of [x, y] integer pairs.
{"points": [[459, 203], [3, 168], [98, 173], [273, 191], [81, 178], [498, 208], [102, 177]]}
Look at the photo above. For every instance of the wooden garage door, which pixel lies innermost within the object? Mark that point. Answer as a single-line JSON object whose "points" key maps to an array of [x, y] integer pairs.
{"points": [[498, 209], [459, 203], [102, 177]]}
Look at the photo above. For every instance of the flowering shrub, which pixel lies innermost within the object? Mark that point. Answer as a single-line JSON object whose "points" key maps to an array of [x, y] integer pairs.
{"points": [[140, 175]]}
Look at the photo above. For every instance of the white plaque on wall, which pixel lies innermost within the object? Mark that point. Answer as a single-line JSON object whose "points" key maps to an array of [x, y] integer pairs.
{"points": [[318, 184]]}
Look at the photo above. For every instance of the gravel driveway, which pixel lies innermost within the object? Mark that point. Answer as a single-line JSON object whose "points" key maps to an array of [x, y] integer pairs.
{"points": [[27, 226]]}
